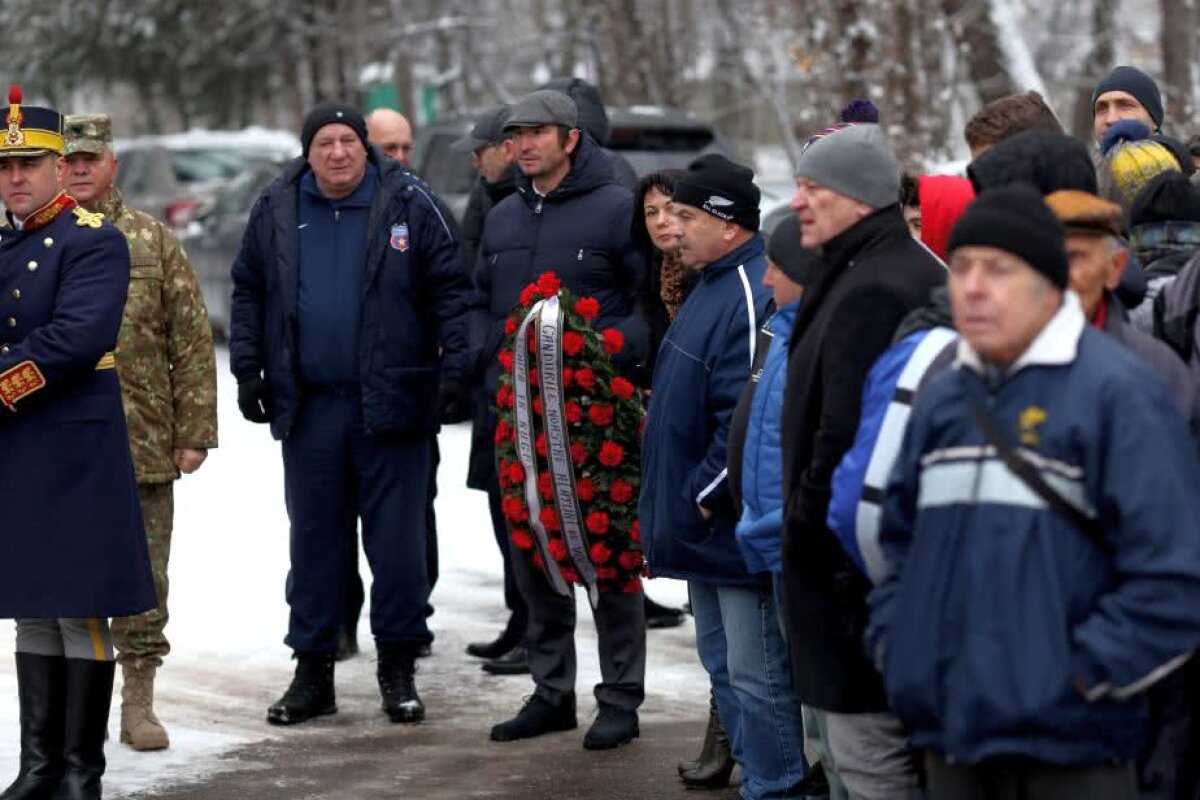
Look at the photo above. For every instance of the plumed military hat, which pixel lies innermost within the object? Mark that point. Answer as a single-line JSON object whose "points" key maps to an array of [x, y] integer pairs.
{"points": [[29, 130], [87, 133]]}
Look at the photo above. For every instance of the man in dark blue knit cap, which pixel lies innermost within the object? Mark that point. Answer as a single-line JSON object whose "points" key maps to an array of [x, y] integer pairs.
{"points": [[1126, 93]]}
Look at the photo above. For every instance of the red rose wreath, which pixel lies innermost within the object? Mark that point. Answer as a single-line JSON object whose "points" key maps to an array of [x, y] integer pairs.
{"points": [[567, 443]]}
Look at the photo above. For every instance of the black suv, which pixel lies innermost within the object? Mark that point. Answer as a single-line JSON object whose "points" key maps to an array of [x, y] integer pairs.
{"points": [[650, 138]]}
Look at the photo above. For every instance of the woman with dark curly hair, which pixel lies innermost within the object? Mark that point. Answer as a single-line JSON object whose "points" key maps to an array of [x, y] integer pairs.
{"points": [[657, 232]]}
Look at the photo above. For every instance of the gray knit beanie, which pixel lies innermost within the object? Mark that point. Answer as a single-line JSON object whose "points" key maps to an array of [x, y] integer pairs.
{"points": [[856, 161]]}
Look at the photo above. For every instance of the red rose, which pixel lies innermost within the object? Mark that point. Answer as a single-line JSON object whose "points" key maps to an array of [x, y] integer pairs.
{"points": [[545, 485], [522, 540], [549, 519], [585, 378], [632, 586], [570, 575], [548, 284], [579, 453], [585, 489], [537, 405], [558, 549], [635, 531], [606, 573], [631, 560], [597, 523], [574, 412], [568, 375], [514, 509], [503, 431], [528, 295], [600, 552], [621, 388], [510, 326], [535, 377], [504, 397], [572, 343], [614, 340], [600, 415], [620, 491], [516, 473], [539, 444], [611, 454], [587, 307]]}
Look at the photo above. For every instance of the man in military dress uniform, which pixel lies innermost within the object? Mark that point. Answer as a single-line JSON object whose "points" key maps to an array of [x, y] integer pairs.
{"points": [[72, 549], [168, 375]]}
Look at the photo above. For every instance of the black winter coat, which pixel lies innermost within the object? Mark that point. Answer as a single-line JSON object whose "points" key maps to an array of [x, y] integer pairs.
{"points": [[581, 231], [416, 291], [875, 274]]}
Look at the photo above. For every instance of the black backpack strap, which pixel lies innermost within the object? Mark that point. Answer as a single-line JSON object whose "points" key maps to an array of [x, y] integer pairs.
{"points": [[1032, 478]]}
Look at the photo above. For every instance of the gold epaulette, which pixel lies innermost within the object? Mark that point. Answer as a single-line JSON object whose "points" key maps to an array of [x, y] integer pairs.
{"points": [[88, 219], [107, 361]]}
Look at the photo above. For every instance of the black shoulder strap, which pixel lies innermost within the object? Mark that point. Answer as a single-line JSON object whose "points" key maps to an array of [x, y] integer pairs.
{"points": [[1033, 479]]}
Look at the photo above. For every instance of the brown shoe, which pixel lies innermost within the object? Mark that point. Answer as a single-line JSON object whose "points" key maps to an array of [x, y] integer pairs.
{"points": [[140, 729]]}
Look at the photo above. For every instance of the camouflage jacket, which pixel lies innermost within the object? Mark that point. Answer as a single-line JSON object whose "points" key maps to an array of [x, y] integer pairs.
{"points": [[165, 355]]}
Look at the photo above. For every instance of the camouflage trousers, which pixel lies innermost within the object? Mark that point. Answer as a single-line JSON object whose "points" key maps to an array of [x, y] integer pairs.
{"points": [[140, 640]]}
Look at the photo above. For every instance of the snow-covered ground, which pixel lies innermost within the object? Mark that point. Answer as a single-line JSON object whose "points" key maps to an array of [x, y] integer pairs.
{"points": [[228, 618]]}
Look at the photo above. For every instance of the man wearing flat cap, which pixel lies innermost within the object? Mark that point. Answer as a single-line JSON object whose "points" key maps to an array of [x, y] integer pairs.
{"points": [[349, 339], [568, 216], [168, 374], [72, 548]]}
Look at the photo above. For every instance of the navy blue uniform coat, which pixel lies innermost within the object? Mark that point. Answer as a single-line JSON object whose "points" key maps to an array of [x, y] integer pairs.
{"points": [[71, 541]]}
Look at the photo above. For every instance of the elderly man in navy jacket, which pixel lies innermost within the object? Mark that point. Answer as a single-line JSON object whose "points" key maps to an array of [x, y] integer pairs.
{"points": [[1039, 532], [349, 303]]}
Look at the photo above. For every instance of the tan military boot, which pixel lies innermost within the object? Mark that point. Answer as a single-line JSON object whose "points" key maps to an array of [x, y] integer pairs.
{"points": [[140, 729]]}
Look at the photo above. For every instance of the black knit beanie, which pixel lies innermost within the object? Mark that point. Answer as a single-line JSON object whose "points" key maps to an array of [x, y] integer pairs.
{"points": [[328, 113], [1169, 197], [1137, 83], [724, 189], [785, 251], [1017, 220]]}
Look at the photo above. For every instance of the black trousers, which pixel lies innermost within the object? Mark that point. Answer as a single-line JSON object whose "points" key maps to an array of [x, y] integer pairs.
{"points": [[1023, 779]]}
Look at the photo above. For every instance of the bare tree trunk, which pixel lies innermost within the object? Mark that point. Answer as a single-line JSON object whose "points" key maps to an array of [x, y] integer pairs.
{"points": [[1098, 61], [979, 45], [1177, 37]]}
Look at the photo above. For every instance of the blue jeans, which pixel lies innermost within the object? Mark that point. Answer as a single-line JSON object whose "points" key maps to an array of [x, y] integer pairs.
{"points": [[741, 647]]}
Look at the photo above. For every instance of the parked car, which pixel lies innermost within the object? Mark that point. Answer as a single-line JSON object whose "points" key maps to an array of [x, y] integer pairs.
{"points": [[213, 238], [650, 138], [175, 177]]}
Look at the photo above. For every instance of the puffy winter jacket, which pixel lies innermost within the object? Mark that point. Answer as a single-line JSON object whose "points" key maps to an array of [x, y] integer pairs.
{"points": [[761, 473], [1002, 628], [703, 364], [416, 291]]}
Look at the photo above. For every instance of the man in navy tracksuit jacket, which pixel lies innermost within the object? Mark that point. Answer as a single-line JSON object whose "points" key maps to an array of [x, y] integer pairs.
{"points": [[1017, 642], [349, 304], [686, 512]]}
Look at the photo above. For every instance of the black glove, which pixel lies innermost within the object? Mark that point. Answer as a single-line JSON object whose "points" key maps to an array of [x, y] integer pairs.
{"points": [[254, 400], [454, 402]]}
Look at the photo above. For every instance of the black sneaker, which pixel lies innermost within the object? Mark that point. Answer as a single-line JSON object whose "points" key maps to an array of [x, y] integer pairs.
{"points": [[396, 672], [310, 693], [614, 727], [537, 717]]}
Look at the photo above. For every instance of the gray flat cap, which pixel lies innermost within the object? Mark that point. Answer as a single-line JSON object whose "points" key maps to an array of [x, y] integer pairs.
{"points": [[543, 107], [488, 129]]}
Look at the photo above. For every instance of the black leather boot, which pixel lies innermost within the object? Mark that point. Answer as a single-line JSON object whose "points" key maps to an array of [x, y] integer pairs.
{"points": [[89, 697], [42, 693], [310, 693], [538, 716], [660, 616], [514, 662], [512, 635], [715, 764], [396, 672]]}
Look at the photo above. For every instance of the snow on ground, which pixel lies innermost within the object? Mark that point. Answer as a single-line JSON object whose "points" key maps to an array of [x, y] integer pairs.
{"points": [[229, 616]]}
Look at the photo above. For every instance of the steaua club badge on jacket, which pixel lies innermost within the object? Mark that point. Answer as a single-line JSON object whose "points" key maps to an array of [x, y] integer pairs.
{"points": [[400, 237]]}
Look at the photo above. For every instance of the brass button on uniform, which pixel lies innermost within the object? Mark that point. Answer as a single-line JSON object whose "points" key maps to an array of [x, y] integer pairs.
{"points": [[47, 241], [12, 322], [4, 349], [32, 266], [16, 294]]}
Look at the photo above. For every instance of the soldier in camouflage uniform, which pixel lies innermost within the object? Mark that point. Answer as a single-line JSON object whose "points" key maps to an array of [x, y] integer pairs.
{"points": [[167, 368]]}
